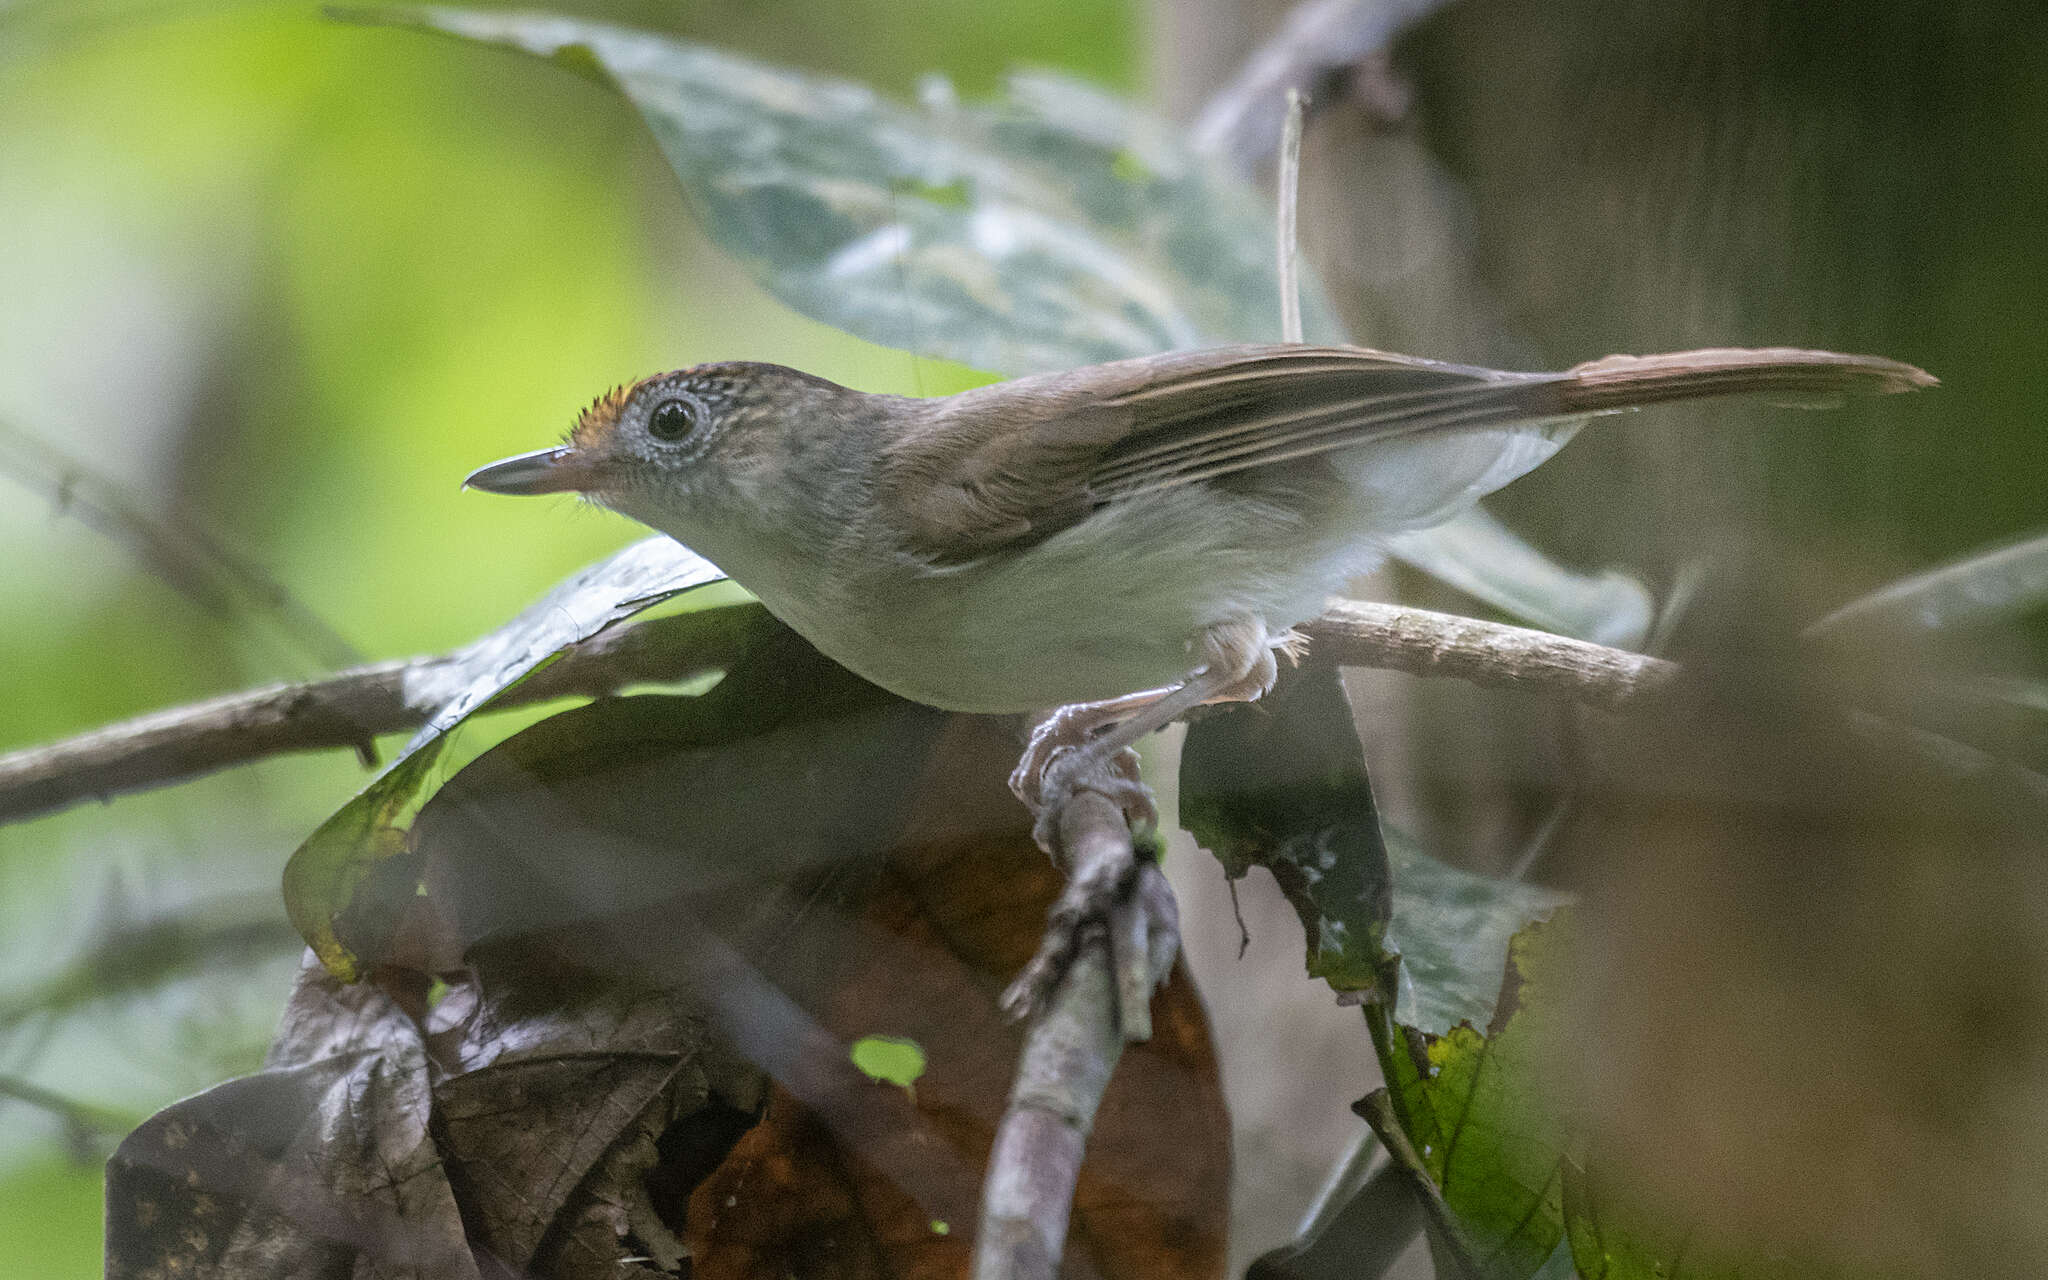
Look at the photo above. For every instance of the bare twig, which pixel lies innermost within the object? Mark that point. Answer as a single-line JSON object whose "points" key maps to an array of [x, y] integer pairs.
{"points": [[1360, 633], [126, 954], [1074, 1043], [350, 709], [1290, 205], [1319, 41], [345, 710], [81, 1117]]}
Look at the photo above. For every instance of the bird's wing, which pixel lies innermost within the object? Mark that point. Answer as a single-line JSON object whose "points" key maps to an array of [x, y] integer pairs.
{"points": [[1011, 464], [1014, 463]]}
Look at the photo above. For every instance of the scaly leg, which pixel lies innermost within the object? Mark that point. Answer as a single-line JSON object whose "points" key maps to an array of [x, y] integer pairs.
{"points": [[1093, 740]]}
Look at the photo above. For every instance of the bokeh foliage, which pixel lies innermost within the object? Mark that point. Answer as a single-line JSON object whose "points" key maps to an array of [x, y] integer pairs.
{"points": [[293, 279]]}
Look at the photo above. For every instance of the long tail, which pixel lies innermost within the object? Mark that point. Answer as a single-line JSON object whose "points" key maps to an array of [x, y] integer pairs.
{"points": [[1630, 382], [1265, 405]]}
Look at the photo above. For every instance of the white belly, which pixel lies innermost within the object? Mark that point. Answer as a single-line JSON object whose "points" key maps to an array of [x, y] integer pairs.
{"points": [[1110, 606]]}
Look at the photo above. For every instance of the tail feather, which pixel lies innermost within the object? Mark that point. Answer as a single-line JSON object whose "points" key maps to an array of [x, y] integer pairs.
{"points": [[1302, 410], [1629, 382]]}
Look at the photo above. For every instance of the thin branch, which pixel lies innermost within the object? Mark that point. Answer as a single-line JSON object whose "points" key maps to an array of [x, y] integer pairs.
{"points": [[349, 709], [215, 578], [1318, 41], [82, 1117], [1421, 642], [352, 708], [1290, 205], [126, 955], [1101, 997]]}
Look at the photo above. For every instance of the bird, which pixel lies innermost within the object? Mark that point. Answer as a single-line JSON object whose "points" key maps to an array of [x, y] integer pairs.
{"points": [[1124, 541]]}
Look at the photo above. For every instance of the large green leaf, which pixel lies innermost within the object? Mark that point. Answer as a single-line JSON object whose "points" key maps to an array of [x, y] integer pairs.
{"points": [[1488, 561], [1477, 1130], [1504, 1175], [1452, 930], [1282, 785], [1052, 228], [322, 876]]}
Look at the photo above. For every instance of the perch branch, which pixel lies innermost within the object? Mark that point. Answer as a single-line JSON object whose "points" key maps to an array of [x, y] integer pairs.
{"points": [[1420, 642], [1290, 208], [352, 708]]}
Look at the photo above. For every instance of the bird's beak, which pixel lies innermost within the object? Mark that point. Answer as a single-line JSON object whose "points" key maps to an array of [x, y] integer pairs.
{"points": [[564, 469]]}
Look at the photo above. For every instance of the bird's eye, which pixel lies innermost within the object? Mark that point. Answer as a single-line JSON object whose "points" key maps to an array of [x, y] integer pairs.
{"points": [[671, 420]]}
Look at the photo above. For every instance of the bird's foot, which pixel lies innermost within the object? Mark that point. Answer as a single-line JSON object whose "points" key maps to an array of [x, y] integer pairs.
{"points": [[1067, 771], [1069, 728], [1064, 756]]}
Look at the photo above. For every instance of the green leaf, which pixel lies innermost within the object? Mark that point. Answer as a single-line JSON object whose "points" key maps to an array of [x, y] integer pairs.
{"points": [[1486, 560], [322, 876], [1469, 1118], [1505, 1182], [1055, 227], [1282, 785], [890, 1059], [1452, 930]]}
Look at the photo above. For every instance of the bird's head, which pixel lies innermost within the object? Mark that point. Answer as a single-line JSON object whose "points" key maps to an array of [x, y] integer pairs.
{"points": [[676, 448]]}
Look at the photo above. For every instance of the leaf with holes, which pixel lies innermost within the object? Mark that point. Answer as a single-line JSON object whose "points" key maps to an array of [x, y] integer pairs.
{"points": [[1282, 784]]}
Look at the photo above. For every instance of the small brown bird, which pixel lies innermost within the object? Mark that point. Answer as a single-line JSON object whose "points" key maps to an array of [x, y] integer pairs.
{"points": [[1138, 536]]}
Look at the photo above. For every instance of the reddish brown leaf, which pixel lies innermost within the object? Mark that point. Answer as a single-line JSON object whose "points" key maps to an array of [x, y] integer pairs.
{"points": [[655, 900], [814, 862]]}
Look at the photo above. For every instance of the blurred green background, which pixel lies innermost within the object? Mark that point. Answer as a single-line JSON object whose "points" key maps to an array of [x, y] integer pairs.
{"points": [[290, 280], [293, 279]]}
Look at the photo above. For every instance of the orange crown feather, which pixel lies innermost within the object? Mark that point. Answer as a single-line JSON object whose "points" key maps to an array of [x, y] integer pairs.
{"points": [[594, 423]]}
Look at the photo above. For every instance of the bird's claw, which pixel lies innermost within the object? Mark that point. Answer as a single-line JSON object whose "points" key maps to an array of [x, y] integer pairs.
{"points": [[1069, 770], [1060, 732]]}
